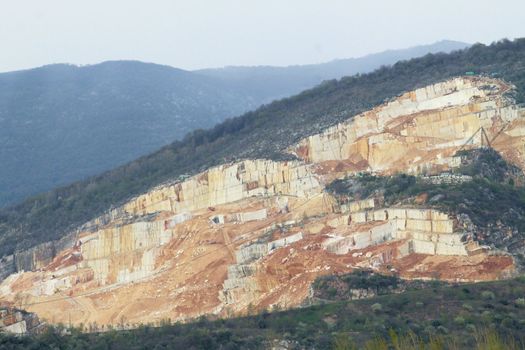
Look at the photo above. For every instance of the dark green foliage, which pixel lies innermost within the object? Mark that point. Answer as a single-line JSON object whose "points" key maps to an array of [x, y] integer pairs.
{"points": [[363, 283], [340, 287], [444, 311], [265, 132], [366, 186], [487, 163]]}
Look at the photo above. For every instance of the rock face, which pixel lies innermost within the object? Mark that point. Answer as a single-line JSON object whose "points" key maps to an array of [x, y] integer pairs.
{"points": [[36, 257], [425, 231], [18, 322], [421, 130], [226, 184], [256, 233]]}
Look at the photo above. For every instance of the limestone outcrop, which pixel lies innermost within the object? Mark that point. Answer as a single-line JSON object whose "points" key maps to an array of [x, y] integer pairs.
{"points": [[257, 233]]}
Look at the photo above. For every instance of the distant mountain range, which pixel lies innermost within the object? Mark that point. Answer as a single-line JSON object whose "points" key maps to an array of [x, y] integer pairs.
{"points": [[61, 123], [277, 82]]}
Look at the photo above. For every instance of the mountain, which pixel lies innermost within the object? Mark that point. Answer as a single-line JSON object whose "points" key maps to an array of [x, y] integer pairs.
{"points": [[62, 123], [414, 170], [278, 82]]}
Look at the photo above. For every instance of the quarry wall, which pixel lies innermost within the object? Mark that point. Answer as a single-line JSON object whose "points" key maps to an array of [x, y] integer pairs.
{"points": [[229, 183], [37, 257], [427, 231], [240, 286], [17, 321], [219, 185], [417, 132], [135, 245]]}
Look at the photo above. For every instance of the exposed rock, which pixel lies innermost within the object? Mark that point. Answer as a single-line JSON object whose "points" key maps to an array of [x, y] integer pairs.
{"points": [[7, 266], [421, 130], [256, 233], [18, 322], [229, 183]]}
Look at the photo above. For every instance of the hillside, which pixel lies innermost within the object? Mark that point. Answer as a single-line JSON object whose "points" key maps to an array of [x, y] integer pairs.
{"points": [[484, 316], [255, 233], [66, 123], [278, 82], [265, 132]]}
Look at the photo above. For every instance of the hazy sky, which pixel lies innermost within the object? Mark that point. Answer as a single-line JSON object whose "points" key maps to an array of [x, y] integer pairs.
{"points": [[194, 34]]}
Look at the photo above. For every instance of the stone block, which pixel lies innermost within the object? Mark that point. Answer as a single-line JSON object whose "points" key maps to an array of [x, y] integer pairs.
{"points": [[418, 225], [423, 247]]}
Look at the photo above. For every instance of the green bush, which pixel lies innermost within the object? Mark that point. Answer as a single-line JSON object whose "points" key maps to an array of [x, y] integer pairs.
{"points": [[470, 327], [376, 307], [488, 295], [467, 307], [460, 321]]}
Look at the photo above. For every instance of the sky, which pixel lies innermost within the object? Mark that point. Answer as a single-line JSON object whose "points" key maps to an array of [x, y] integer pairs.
{"points": [[193, 34]]}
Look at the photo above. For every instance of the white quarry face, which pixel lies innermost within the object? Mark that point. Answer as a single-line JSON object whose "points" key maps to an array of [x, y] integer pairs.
{"points": [[258, 232], [421, 130]]}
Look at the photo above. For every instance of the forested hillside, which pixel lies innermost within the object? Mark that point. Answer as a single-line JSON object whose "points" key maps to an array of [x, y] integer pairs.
{"points": [[62, 123], [278, 82]]}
